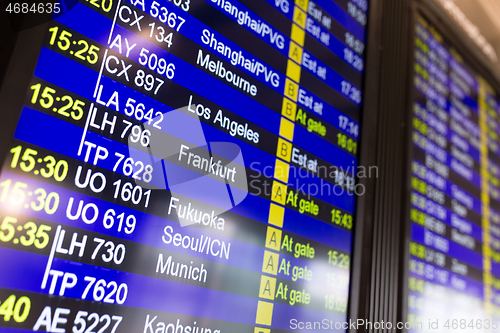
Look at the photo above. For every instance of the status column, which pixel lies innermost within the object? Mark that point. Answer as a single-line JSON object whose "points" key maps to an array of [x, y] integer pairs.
{"points": [[485, 198], [281, 170]]}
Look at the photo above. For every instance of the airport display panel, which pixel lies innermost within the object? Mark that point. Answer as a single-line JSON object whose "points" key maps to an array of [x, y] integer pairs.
{"points": [[184, 166], [454, 265]]}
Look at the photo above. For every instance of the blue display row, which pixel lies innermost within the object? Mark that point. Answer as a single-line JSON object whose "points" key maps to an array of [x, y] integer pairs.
{"points": [[146, 296], [453, 191], [446, 158], [442, 244], [443, 277]]}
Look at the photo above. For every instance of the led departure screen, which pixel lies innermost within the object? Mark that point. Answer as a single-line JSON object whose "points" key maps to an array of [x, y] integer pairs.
{"points": [[455, 198], [185, 166]]}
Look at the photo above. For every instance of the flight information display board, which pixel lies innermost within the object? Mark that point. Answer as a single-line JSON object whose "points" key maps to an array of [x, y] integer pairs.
{"points": [[185, 166], [454, 278]]}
